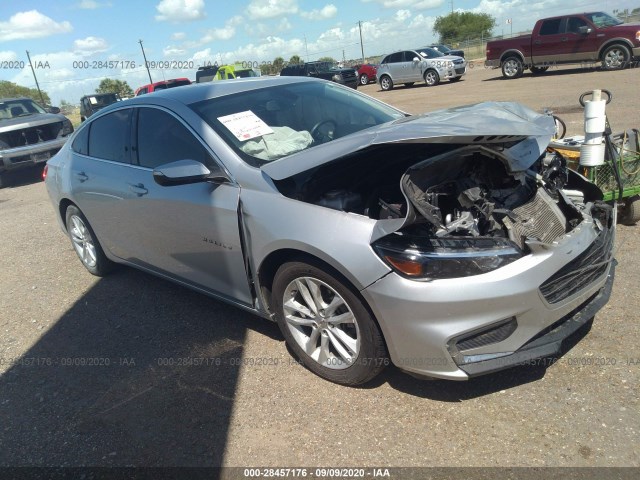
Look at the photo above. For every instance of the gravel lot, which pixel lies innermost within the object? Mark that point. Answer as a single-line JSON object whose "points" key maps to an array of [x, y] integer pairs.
{"points": [[136, 402]]}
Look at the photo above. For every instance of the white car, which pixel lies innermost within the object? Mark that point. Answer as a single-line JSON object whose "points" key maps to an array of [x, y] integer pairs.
{"points": [[423, 64]]}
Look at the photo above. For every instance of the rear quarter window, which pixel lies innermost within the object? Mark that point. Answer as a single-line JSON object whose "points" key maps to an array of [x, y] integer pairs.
{"points": [[550, 27], [81, 142]]}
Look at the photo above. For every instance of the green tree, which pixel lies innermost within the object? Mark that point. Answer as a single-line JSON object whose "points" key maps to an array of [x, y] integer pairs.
{"points": [[295, 59], [109, 85], [10, 89], [458, 26], [327, 59], [277, 65], [265, 69]]}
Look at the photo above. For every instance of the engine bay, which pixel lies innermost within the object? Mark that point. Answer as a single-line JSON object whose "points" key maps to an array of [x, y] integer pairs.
{"points": [[448, 190]]}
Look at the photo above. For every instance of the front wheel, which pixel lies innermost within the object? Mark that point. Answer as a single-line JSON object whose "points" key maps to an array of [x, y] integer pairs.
{"points": [[386, 83], [364, 79], [615, 57], [512, 68], [431, 78], [326, 325], [85, 243]]}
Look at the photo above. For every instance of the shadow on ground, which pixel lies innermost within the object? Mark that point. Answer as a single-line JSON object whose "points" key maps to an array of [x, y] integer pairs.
{"points": [[118, 380]]}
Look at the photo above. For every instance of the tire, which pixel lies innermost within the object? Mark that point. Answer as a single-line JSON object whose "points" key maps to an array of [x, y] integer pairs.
{"points": [[431, 78], [85, 243], [314, 306], [512, 68], [364, 79], [615, 57], [538, 70], [386, 83], [455, 79], [3, 181], [632, 211]]}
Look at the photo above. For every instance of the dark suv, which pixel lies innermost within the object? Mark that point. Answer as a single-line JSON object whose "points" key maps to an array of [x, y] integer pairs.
{"points": [[325, 70], [90, 104]]}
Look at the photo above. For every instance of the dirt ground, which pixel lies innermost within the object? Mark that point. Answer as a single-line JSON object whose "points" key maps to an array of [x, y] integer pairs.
{"points": [[100, 372]]}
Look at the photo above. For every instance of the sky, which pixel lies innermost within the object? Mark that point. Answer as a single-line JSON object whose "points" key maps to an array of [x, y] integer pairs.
{"points": [[75, 43]]}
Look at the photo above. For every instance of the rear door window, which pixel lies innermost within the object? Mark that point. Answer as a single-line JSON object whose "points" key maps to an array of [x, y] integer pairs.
{"points": [[551, 27], [109, 136]]}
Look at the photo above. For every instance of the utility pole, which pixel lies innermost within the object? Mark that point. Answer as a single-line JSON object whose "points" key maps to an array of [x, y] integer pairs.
{"points": [[451, 6], [305, 47], [36, 79], [361, 45], [146, 64]]}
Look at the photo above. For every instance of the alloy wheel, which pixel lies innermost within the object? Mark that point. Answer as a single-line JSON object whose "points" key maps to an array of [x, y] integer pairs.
{"points": [[82, 241]]}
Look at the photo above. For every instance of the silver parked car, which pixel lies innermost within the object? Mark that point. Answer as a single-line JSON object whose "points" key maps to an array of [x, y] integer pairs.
{"points": [[449, 242], [423, 64]]}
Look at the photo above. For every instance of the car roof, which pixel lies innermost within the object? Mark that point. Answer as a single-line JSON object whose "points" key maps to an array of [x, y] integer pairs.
{"points": [[197, 92], [15, 98]]}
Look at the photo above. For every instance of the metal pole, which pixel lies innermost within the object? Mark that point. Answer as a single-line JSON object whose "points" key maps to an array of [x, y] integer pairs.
{"points": [[36, 79], [146, 64], [361, 45]]}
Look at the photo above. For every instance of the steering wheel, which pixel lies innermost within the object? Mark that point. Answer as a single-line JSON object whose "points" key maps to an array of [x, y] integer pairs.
{"points": [[321, 136]]}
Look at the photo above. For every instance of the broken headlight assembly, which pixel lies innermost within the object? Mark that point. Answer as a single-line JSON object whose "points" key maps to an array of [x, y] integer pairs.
{"points": [[451, 257]]}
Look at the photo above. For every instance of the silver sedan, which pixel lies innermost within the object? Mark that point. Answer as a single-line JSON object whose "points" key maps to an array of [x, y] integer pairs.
{"points": [[450, 244]]}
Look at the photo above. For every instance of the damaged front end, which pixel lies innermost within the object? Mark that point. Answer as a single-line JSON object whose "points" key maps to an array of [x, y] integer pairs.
{"points": [[455, 206]]}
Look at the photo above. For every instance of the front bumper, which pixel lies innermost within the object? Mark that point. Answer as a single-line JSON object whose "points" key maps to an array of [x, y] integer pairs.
{"points": [[421, 320], [29, 155]]}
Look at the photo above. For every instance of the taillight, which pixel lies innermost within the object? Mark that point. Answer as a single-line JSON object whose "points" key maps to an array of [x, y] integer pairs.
{"points": [[44, 172]]}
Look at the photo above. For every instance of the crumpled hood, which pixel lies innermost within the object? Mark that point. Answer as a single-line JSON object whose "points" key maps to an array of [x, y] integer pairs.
{"points": [[482, 123]]}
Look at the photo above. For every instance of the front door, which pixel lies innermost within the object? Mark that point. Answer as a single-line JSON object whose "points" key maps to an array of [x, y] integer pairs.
{"points": [[188, 232]]}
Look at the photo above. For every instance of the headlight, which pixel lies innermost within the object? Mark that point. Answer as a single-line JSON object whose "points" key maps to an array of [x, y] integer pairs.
{"points": [[337, 78], [67, 128], [450, 64], [638, 35], [450, 257]]}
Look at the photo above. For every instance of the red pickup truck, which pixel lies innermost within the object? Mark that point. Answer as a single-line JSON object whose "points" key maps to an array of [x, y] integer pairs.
{"points": [[579, 38]]}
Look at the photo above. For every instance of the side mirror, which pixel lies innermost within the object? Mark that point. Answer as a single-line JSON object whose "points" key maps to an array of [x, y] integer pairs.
{"points": [[54, 110], [416, 59], [584, 30], [184, 172]]}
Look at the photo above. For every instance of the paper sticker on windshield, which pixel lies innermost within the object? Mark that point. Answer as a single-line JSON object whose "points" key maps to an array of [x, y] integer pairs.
{"points": [[93, 100], [245, 125]]}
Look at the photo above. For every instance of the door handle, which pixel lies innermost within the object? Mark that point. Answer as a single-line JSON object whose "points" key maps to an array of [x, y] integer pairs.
{"points": [[564, 39], [537, 42], [82, 176], [138, 189]]}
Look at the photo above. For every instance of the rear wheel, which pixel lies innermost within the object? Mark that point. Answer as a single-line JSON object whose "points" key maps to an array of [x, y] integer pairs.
{"points": [[326, 325], [615, 57], [431, 78], [632, 211], [85, 243], [386, 83], [3, 181], [512, 68], [364, 79]]}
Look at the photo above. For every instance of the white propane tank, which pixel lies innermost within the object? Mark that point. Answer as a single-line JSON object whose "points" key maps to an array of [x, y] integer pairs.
{"points": [[592, 150]]}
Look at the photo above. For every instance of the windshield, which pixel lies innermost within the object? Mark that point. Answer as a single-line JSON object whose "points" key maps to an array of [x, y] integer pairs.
{"points": [[430, 53], [19, 108], [442, 48], [266, 124], [246, 73], [601, 19]]}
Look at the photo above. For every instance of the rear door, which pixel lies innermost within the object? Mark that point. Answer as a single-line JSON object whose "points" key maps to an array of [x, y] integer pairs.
{"points": [[395, 66], [188, 232], [550, 42], [99, 165]]}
